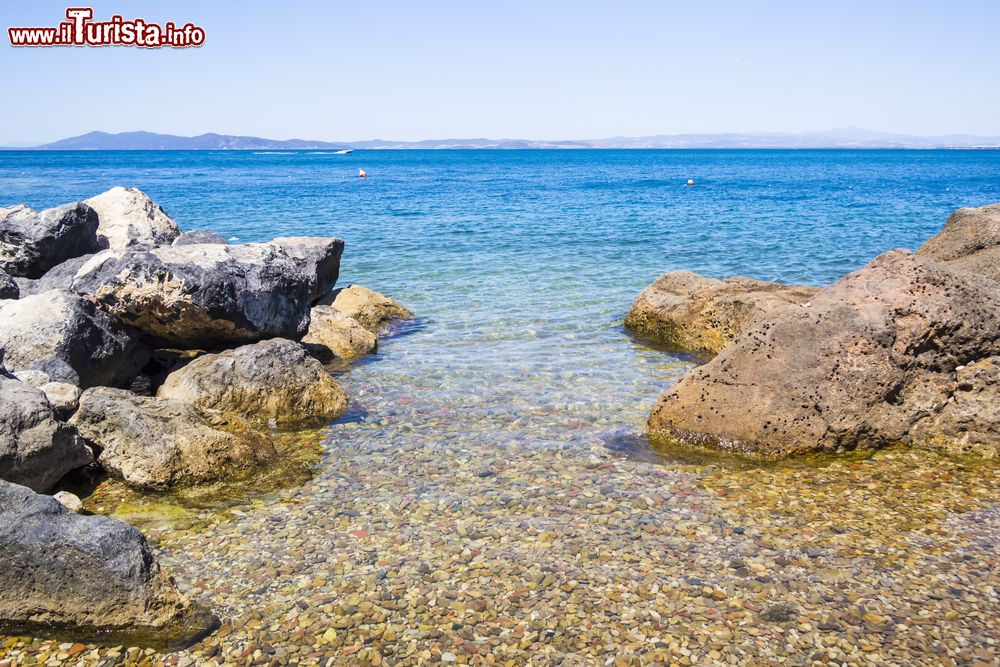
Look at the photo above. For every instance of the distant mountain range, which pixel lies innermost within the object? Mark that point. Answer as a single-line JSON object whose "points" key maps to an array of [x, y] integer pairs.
{"points": [[838, 138]]}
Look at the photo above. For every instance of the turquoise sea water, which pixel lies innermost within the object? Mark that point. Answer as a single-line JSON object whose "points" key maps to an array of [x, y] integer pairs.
{"points": [[522, 264]]}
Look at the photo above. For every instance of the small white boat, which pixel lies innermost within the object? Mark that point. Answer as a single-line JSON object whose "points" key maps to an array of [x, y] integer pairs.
{"points": [[344, 151], [362, 173]]}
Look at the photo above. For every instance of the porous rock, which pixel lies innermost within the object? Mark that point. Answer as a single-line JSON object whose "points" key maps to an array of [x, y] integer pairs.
{"points": [[693, 313], [875, 359]]}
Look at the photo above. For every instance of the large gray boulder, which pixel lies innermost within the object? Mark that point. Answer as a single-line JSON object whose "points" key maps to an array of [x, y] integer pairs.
{"points": [[271, 382], [130, 219], [372, 310], [202, 295], [880, 357], [70, 339], [58, 277], [32, 242], [317, 256], [969, 241], [693, 313], [158, 443], [333, 335], [90, 575], [36, 449]]}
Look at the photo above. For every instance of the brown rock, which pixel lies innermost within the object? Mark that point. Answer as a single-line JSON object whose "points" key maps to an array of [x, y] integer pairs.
{"points": [[969, 241], [696, 314], [274, 380], [333, 335], [372, 310], [868, 359], [159, 443]]}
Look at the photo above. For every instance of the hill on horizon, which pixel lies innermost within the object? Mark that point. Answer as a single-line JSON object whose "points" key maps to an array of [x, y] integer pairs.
{"points": [[836, 138]]}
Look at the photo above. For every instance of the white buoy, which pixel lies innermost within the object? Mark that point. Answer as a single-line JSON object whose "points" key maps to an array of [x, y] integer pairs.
{"points": [[690, 181], [362, 173]]}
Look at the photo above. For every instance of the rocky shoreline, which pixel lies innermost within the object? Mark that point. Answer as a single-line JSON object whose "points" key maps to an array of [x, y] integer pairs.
{"points": [[530, 541], [159, 358], [905, 350]]}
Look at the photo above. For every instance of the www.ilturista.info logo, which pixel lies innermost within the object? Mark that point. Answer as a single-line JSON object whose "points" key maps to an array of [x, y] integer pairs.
{"points": [[80, 30]]}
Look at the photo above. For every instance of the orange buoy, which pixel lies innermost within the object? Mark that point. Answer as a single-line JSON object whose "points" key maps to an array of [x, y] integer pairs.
{"points": [[690, 181], [362, 173]]}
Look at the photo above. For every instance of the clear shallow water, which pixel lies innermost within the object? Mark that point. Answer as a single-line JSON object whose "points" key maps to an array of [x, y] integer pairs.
{"points": [[521, 264]]}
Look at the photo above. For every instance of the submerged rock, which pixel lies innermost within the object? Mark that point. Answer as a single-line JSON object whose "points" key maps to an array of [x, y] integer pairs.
{"points": [[198, 237], [36, 449], [69, 339], [697, 314], [92, 575], [32, 242], [158, 443], [333, 335], [271, 381], [130, 219], [372, 310], [969, 241], [317, 256], [202, 295], [865, 364]]}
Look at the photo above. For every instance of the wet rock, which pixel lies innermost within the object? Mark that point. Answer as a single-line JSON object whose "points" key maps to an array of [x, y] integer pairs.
{"points": [[158, 443], [68, 338], [36, 449], [875, 354], [59, 277], [32, 242], [317, 256], [697, 314], [202, 295], [130, 219], [89, 574], [198, 237], [271, 381], [372, 310], [333, 335], [8, 286]]}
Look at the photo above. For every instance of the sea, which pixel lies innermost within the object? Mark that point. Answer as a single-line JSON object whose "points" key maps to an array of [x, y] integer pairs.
{"points": [[522, 264]]}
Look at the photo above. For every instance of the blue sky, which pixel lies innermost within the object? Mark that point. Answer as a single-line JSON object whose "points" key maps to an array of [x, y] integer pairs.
{"points": [[338, 70]]}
